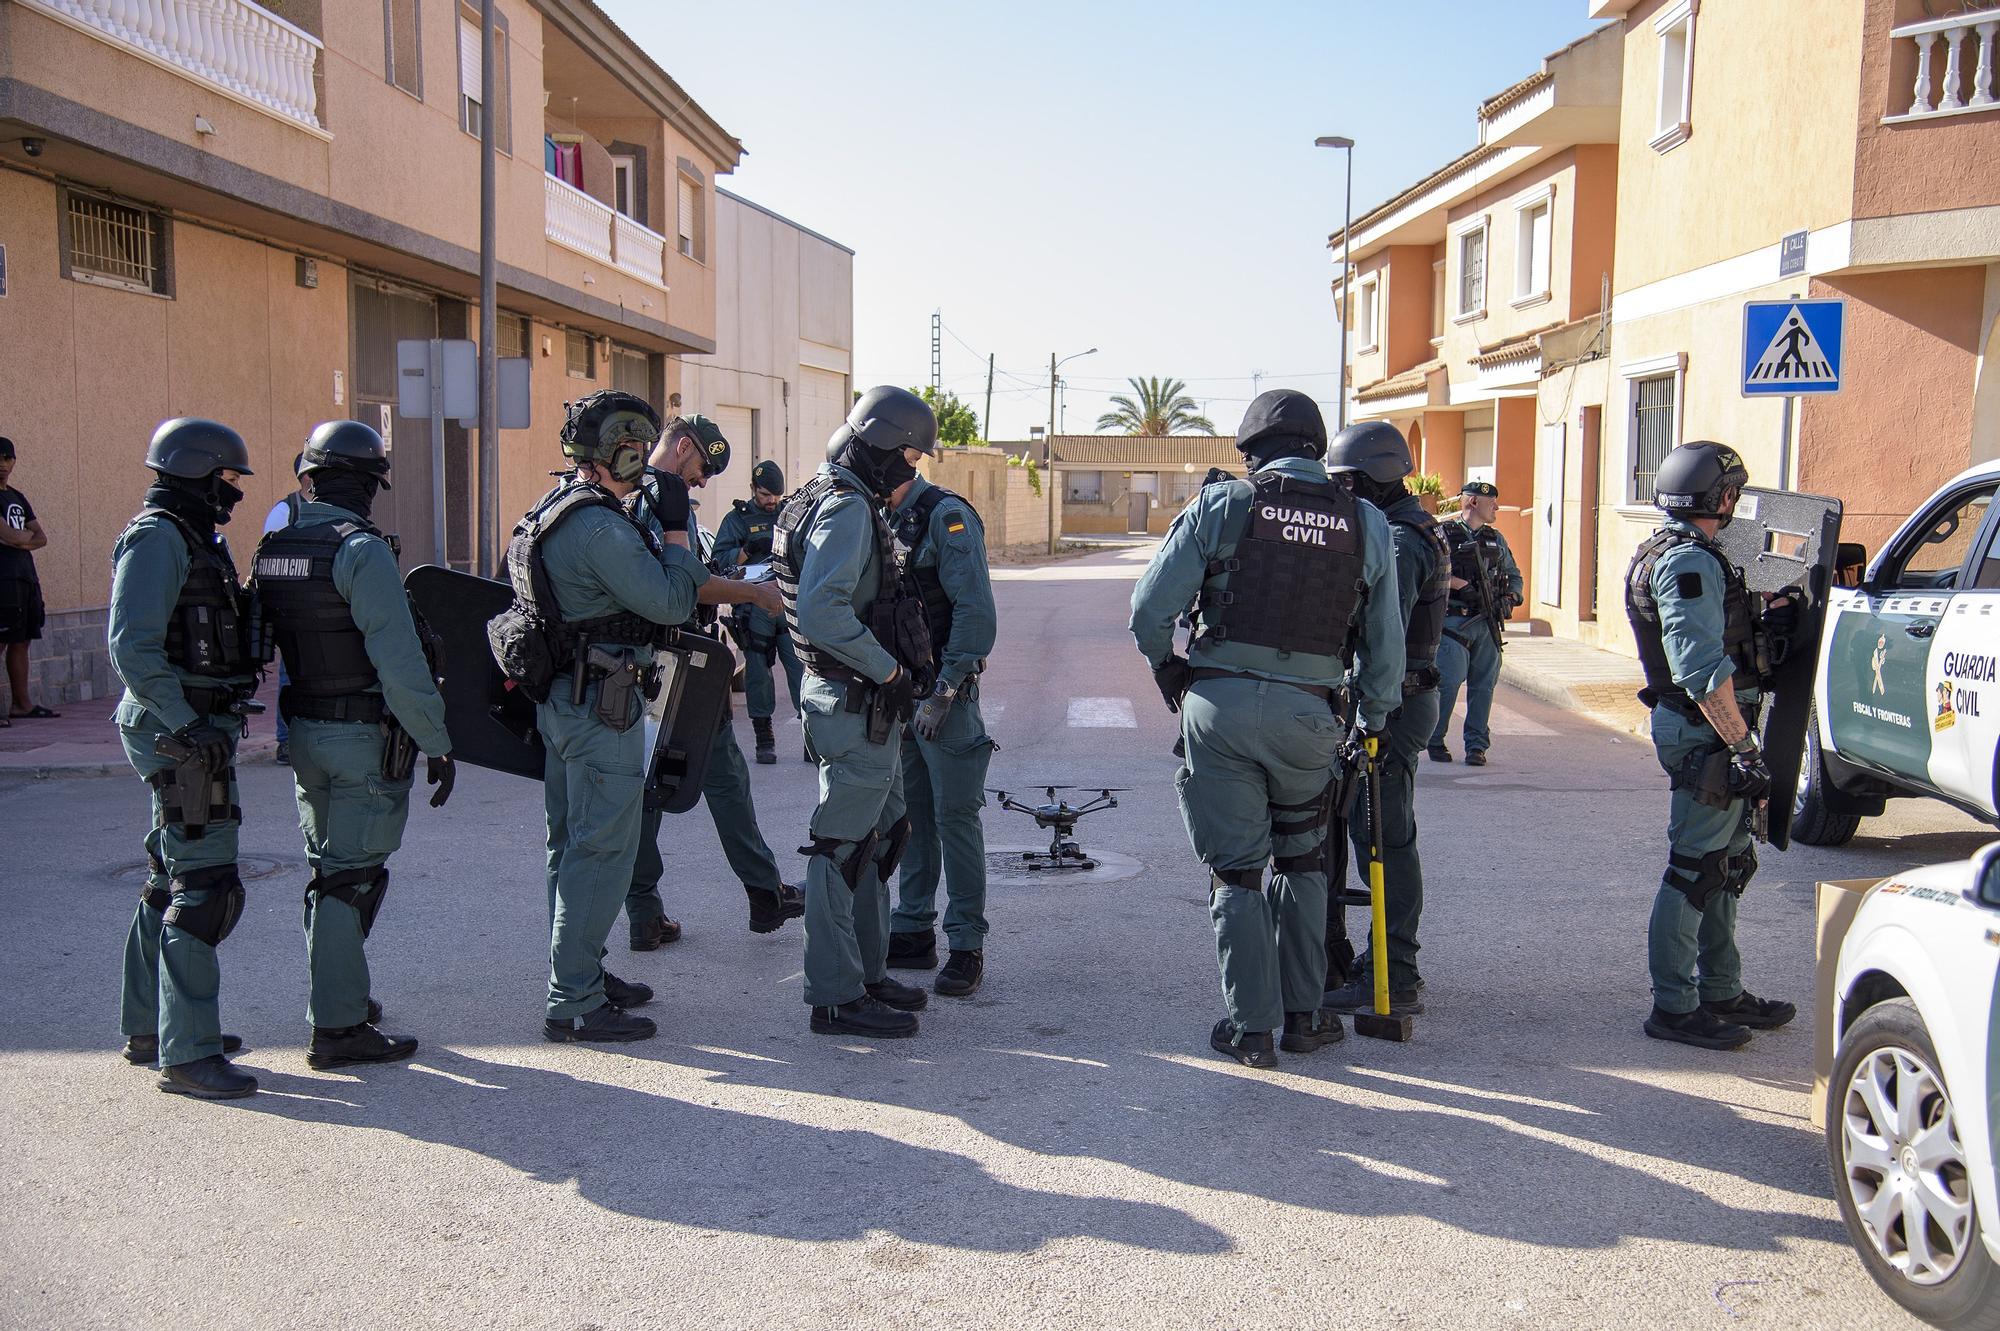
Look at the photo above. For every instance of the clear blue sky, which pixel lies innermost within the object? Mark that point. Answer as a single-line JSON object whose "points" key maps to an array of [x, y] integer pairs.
{"points": [[1135, 177]]}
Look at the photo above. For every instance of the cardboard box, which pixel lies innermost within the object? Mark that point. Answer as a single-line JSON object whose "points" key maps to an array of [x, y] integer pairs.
{"points": [[1837, 901]]}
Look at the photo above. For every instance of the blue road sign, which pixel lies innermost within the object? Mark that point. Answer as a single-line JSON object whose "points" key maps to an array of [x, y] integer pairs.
{"points": [[1792, 346]]}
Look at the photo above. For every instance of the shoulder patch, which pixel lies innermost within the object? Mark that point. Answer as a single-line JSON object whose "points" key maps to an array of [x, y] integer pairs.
{"points": [[1688, 585]]}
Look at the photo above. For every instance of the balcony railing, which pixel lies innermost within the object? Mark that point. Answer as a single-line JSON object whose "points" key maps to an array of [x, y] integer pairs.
{"points": [[588, 226], [1961, 74], [238, 47]]}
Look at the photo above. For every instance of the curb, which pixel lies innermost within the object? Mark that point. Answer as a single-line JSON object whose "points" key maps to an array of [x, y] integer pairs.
{"points": [[260, 749], [1612, 703]]}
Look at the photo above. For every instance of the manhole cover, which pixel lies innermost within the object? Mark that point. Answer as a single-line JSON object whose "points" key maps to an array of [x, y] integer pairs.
{"points": [[1005, 865], [249, 867]]}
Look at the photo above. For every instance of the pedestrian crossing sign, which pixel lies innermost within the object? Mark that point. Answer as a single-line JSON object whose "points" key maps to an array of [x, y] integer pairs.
{"points": [[1792, 346]]}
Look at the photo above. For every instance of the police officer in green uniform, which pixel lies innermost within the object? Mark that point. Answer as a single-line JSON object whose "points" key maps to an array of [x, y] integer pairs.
{"points": [[687, 456], [745, 538], [1469, 654], [1373, 458], [180, 639], [947, 750], [361, 702], [861, 637], [586, 659], [1290, 573], [1704, 642]]}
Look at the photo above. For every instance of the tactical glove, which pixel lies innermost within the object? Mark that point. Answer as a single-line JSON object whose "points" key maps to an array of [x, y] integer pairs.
{"points": [[931, 714], [210, 743], [442, 773], [672, 505], [898, 696], [1783, 619], [1173, 676], [1749, 778]]}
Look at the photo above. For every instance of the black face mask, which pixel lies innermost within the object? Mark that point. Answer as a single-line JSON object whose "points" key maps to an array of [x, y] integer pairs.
{"points": [[896, 471], [352, 490], [1379, 493]]}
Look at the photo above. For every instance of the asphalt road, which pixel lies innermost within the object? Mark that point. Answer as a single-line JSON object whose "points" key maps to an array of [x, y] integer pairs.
{"points": [[1060, 1150]]}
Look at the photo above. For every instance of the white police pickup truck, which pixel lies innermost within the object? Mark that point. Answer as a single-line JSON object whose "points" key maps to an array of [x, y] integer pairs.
{"points": [[1908, 696]]}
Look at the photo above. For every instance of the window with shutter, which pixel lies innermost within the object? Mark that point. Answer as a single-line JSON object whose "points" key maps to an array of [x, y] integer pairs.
{"points": [[470, 78], [687, 210]]}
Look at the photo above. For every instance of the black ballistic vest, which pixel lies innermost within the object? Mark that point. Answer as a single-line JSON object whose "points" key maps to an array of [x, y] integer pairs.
{"points": [[325, 652], [1426, 626], [895, 617], [1472, 554], [1295, 581], [912, 528], [1741, 631], [759, 526], [209, 630], [535, 596]]}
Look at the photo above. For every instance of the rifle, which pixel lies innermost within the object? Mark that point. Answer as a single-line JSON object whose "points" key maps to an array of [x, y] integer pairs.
{"points": [[1492, 600]]}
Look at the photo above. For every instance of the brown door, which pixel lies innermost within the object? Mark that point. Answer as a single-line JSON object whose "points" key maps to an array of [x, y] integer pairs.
{"points": [[1138, 506], [383, 315]]}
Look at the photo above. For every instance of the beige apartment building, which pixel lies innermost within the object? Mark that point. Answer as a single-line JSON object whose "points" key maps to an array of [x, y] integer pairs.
{"points": [[228, 209], [1135, 483], [1475, 284], [1872, 127]]}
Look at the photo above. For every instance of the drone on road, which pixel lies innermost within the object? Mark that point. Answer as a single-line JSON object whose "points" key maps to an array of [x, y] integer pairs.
{"points": [[1060, 818]]}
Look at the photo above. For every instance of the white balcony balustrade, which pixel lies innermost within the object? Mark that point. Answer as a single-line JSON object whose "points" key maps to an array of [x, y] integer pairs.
{"points": [[1954, 62], [238, 47], [591, 227]]}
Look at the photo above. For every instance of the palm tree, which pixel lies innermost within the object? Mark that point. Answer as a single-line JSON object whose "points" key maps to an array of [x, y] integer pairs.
{"points": [[1163, 407]]}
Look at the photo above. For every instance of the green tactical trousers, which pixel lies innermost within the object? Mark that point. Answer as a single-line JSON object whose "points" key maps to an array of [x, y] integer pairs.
{"points": [[173, 980], [944, 784], [1409, 731], [760, 691], [1691, 951], [725, 788], [1253, 747], [352, 819], [593, 787], [860, 801]]}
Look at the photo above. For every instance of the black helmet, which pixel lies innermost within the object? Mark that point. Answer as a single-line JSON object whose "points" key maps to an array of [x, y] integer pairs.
{"points": [[1376, 449], [194, 449], [346, 446], [708, 441], [1282, 423], [769, 477], [598, 427], [1695, 479], [888, 419]]}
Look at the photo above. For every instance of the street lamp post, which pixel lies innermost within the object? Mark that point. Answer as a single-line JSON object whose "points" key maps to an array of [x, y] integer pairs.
{"points": [[1346, 269], [1049, 441]]}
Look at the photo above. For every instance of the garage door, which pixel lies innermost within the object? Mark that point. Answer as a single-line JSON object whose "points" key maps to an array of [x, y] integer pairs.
{"points": [[822, 407], [739, 427]]}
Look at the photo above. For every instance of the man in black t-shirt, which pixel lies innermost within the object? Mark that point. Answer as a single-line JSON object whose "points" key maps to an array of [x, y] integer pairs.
{"points": [[21, 612]]}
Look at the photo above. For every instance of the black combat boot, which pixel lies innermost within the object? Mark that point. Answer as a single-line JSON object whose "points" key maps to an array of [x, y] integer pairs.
{"points": [[913, 952], [1358, 995], [625, 993], [211, 1078], [962, 973], [374, 1013], [144, 1049], [896, 994], [655, 934], [770, 909], [1438, 753], [337, 1046], [1475, 757], [1250, 1048], [866, 1017], [1700, 1028], [767, 743], [609, 1024], [1746, 1009], [1307, 1031]]}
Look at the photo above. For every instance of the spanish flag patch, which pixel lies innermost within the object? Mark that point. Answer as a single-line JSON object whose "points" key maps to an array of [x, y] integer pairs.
{"points": [[954, 526]]}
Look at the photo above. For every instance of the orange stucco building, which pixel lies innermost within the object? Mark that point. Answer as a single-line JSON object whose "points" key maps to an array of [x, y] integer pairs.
{"points": [[235, 210]]}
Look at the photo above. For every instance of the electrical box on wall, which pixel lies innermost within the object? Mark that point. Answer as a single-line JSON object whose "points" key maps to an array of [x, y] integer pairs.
{"points": [[306, 272]]}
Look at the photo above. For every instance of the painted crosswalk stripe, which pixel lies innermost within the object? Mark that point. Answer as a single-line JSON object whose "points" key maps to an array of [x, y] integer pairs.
{"points": [[1102, 714]]}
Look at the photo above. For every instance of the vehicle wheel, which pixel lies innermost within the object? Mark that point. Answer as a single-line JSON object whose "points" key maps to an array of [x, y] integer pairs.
{"points": [[1899, 1172], [1813, 823]]}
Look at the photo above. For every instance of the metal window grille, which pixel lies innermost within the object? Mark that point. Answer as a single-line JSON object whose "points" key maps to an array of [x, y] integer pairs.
{"points": [[112, 243], [1472, 271], [1653, 416], [510, 335], [580, 352]]}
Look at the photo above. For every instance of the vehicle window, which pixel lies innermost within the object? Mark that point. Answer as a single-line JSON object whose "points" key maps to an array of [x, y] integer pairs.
{"points": [[1986, 574], [1935, 555]]}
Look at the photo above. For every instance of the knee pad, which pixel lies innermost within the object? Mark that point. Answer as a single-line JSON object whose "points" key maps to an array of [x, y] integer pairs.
{"points": [[1697, 877], [159, 898], [214, 918], [1250, 880], [892, 845], [351, 886], [848, 864]]}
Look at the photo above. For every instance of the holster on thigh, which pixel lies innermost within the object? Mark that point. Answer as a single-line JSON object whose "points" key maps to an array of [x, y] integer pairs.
{"points": [[214, 917], [1698, 877], [1308, 819], [351, 886]]}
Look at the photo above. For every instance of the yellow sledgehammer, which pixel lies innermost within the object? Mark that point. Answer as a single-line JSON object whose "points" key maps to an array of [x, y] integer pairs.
{"points": [[1378, 1025]]}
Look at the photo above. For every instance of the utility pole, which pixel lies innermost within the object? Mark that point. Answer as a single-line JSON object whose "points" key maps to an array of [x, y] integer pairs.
{"points": [[1346, 145], [1256, 386], [986, 421], [937, 355], [1049, 444], [486, 559]]}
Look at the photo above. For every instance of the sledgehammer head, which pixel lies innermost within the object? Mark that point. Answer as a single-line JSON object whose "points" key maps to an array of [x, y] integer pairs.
{"points": [[1378, 1027]]}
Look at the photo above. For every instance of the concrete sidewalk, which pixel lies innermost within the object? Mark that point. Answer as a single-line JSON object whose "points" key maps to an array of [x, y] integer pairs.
{"points": [[84, 742], [1598, 684]]}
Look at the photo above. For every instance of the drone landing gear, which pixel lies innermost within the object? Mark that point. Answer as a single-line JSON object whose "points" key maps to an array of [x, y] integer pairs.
{"points": [[1063, 853], [1059, 818]]}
